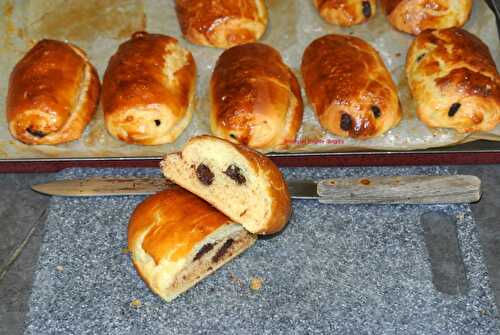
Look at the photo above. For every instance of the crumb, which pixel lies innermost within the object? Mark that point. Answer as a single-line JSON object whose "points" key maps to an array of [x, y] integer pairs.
{"points": [[398, 54], [60, 268], [255, 283], [235, 280], [125, 251], [483, 312], [136, 303], [460, 216]]}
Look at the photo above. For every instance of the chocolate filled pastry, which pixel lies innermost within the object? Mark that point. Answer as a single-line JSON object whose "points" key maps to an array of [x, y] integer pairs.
{"points": [[176, 239], [346, 13], [221, 23], [454, 81], [415, 16], [349, 87], [255, 98], [240, 182], [148, 90], [53, 94]]}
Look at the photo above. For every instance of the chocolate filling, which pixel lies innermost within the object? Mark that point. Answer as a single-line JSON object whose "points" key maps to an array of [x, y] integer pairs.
{"points": [[232, 136], [367, 9], [36, 133], [376, 111], [222, 250], [454, 109], [345, 122], [204, 174], [234, 173], [157, 122], [419, 58], [203, 250]]}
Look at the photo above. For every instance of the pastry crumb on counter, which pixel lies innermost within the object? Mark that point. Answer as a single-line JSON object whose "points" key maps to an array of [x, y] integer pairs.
{"points": [[60, 268], [235, 279], [136, 303], [256, 283]]}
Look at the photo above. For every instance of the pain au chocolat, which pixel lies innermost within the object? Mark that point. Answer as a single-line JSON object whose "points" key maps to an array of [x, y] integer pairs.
{"points": [[454, 81], [53, 94], [346, 13], [240, 182], [148, 90], [349, 87], [255, 98], [415, 16], [176, 239], [222, 23]]}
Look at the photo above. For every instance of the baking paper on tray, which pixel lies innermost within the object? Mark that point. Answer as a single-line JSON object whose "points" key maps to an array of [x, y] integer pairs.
{"points": [[99, 27]]}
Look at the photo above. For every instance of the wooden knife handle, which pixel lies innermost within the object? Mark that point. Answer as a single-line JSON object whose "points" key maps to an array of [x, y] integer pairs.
{"points": [[401, 190]]}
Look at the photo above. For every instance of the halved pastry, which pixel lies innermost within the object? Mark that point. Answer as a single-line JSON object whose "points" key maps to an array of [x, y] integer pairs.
{"points": [[255, 98], [53, 94], [240, 182], [176, 239], [148, 90]]}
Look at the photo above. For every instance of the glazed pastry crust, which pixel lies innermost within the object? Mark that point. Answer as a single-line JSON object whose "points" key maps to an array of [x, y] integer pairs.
{"points": [[261, 204], [53, 94], [415, 16], [255, 98], [349, 87], [148, 90], [222, 23], [454, 81], [175, 240], [346, 13]]}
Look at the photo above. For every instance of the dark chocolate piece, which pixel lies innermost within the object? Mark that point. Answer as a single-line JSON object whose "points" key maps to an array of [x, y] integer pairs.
{"points": [[376, 111], [345, 122], [234, 173], [36, 133], [367, 9], [203, 250], [157, 122], [419, 58], [222, 250], [204, 174], [454, 109]]}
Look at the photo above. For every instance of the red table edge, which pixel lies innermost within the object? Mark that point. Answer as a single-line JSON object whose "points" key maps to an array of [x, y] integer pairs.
{"points": [[363, 159]]}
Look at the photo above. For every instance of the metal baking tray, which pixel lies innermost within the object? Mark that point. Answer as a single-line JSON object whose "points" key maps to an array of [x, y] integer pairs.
{"points": [[477, 152]]}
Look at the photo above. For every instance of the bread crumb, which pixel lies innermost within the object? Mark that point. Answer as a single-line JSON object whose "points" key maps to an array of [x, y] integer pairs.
{"points": [[60, 268], [136, 303], [398, 54], [256, 283], [125, 251], [460, 216], [235, 280]]}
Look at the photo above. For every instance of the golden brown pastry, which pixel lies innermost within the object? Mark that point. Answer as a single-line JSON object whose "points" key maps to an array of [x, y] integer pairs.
{"points": [[148, 90], [241, 183], [222, 23], [176, 239], [350, 88], [346, 13], [53, 94], [415, 16], [454, 81], [255, 98]]}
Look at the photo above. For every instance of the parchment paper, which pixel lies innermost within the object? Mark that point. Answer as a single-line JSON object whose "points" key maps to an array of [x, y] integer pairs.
{"points": [[99, 27]]}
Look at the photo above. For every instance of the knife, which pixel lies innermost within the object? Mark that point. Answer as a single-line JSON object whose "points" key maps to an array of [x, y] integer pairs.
{"points": [[365, 190]]}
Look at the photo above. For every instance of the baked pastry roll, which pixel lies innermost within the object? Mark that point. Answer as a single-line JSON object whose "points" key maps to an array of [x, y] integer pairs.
{"points": [[454, 81], [148, 90], [176, 239], [415, 16], [255, 98], [53, 94], [241, 183], [349, 87], [346, 13], [222, 23]]}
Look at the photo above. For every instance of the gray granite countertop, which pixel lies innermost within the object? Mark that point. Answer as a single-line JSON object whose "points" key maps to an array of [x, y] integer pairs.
{"points": [[286, 304]]}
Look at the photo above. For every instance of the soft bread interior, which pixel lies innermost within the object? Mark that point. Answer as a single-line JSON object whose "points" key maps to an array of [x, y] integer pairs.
{"points": [[170, 278], [246, 203]]}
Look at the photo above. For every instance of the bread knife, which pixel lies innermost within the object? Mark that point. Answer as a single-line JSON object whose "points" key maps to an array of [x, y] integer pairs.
{"points": [[365, 190]]}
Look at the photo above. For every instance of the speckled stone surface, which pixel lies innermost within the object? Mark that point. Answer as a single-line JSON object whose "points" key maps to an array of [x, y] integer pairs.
{"points": [[335, 269]]}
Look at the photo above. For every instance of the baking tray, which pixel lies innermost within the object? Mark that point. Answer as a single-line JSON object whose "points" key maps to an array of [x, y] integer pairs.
{"points": [[335, 269], [469, 153]]}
